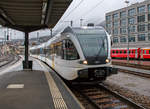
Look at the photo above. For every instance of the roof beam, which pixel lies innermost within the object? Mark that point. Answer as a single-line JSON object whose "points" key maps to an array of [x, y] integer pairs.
{"points": [[48, 11], [7, 19]]}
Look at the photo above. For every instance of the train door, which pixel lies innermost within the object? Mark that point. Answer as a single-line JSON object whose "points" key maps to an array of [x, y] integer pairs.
{"points": [[136, 53], [140, 53]]}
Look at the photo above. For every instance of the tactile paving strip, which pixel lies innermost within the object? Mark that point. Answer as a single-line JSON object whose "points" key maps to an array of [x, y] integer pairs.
{"points": [[58, 100]]}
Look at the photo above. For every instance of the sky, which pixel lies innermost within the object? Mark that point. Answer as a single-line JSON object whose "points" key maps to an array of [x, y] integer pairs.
{"points": [[91, 11]]}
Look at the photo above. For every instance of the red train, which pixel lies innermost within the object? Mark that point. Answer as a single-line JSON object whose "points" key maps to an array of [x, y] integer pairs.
{"points": [[134, 53]]}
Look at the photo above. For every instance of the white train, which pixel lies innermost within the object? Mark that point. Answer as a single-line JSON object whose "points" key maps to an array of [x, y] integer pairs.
{"points": [[79, 54]]}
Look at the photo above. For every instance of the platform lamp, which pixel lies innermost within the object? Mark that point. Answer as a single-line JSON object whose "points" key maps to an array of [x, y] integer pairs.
{"points": [[127, 2]]}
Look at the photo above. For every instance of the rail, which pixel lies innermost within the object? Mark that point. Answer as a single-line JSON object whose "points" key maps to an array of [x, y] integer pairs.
{"points": [[102, 97]]}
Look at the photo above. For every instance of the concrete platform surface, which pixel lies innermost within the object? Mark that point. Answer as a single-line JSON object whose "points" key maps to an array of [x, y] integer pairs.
{"points": [[36, 89], [34, 95]]}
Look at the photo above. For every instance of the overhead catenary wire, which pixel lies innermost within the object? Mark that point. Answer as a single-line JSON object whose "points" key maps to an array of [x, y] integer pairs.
{"points": [[73, 9], [86, 13], [71, 12], [90, 10]]}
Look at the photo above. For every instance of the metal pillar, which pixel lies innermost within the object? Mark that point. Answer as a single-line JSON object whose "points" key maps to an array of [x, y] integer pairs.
{"points": [[81, 22], [71, 23], [128, 58], [26, 48], [26, 63]]}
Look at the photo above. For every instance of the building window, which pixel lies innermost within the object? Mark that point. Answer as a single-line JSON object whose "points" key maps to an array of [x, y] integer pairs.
{"points": [[115, 40], [115, 24], [123, 22], [108, 25], [149, 26], [132, 12], [131, 20], [115, 31], [131, 29], [123, 14], [131, 39], [141, 9], [108, 18], [149, 36], [123, 30], [141, 18], [141, 37], [148, 8], [141, 28], [123, 39], [115, 16], [148, 17]]}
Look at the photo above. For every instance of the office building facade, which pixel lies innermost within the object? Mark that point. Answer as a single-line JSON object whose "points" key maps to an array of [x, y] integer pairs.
{"points": [[131, 24]]}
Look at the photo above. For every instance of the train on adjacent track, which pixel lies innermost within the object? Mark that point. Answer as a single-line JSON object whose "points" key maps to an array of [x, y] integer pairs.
{"points": [[78, 54], [134, 53]]}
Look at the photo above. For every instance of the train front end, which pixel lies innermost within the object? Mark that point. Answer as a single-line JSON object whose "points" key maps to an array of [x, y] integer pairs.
{"points": [[96, 45]]}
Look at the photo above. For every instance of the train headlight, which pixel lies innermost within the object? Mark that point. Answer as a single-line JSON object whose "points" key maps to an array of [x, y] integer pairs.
{"points": [[85, 62], [108, 60]]}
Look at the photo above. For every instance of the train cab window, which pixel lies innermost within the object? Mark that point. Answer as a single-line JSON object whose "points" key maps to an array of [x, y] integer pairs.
{"points": [[69, 50]]}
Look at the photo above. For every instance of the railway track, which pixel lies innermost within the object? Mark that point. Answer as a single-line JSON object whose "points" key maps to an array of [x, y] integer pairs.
{"points": [[12, 59], [135, 73], [100, 97], [136, 69], [138, 65]]}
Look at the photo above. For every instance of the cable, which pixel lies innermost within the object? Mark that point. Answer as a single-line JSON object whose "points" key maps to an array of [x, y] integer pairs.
{"points": [[91, 9], [74, 9]]}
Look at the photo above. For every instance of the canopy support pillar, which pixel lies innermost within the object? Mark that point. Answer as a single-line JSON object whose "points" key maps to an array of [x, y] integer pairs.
{"points": [[26, 63]]}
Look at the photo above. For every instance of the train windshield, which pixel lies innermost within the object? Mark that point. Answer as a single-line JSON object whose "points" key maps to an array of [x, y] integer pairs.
{"points": [[94, 45]]}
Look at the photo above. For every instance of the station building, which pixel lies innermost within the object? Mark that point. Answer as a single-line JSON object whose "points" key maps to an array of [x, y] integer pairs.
{"points": [[131, 24]]}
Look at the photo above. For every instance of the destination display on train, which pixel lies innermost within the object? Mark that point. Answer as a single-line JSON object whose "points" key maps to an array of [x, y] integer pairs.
{"points": [[89, 31]]}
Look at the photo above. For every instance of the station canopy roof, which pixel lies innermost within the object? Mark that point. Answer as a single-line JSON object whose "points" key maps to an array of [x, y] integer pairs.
{"points": [[31, 15]]}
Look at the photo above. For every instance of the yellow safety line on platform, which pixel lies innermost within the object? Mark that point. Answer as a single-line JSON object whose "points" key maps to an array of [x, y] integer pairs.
{"points": [[58, 100]]}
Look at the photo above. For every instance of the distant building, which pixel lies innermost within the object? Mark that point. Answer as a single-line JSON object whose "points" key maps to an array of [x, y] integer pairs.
{"points": [[131, 24]]}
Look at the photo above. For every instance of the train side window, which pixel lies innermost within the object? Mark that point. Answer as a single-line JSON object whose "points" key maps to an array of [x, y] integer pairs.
{"points": [[113, 51], [120, 52], [116, 51], [149, 51], [129, 51], [125, 51], [69, 50], [144, 51]]}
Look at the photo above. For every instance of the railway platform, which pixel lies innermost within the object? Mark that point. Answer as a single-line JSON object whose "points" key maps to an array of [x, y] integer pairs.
{"points": [[39, 88]]}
